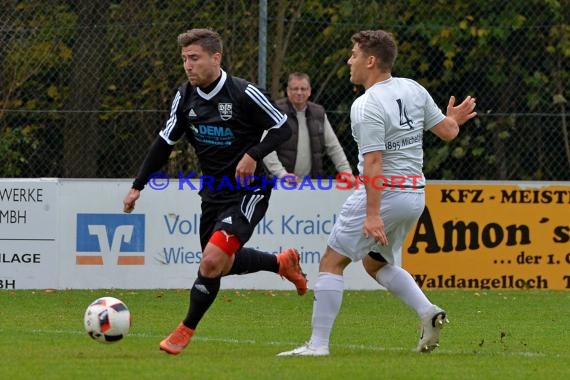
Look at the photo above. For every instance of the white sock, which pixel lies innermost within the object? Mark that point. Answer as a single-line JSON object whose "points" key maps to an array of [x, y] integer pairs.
{"points": [[326, 305], [400, 283]]}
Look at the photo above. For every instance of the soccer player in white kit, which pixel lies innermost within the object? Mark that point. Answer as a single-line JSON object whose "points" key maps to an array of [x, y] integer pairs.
{"points": [[387, 122]]}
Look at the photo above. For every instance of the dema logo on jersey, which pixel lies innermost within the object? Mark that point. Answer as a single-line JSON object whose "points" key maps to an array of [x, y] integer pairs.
{"points": [[110, 239]]}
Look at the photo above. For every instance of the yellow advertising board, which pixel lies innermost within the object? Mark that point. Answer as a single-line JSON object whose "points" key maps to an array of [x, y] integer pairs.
{"points": [[492, 236]]}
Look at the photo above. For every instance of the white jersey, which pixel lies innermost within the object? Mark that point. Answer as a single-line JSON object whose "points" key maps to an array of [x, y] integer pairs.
{"points": [[391, 116]]}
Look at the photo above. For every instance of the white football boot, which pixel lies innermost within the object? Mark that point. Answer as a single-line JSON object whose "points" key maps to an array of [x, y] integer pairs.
{"points": [[306, 350], [432, 324]]}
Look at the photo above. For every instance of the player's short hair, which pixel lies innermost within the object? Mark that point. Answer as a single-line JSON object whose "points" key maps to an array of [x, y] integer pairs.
{"points": [[378, 43], [208, 39]]}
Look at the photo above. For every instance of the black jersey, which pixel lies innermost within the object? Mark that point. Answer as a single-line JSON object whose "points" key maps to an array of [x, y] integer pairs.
{"points": [[222, 125]]}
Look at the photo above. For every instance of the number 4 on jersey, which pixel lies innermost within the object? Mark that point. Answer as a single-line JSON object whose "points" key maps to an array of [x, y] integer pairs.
{"points": [[404, 119]]}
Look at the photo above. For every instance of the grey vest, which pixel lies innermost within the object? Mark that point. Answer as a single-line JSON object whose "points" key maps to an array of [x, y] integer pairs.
{"points": [[287, 152]]}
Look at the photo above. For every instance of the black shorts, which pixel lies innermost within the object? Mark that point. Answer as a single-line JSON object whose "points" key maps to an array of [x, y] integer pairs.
{"points": [[235, 212]]}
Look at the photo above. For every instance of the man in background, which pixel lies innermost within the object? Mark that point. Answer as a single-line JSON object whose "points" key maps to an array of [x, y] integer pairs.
{"points": [[313, 136]]}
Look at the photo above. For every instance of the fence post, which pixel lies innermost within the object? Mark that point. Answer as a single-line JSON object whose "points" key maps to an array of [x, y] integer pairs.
{"points": [[262, 55]]}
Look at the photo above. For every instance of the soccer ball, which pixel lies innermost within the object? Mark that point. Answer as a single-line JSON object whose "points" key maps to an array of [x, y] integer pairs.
{"points": [[107, 320]]}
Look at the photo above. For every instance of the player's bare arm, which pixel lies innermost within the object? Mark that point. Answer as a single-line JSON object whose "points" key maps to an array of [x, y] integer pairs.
{"points": [[373, 224], [458, 115]]}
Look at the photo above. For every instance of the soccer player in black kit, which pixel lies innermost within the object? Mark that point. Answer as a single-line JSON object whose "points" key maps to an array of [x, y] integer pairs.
{"points": [[224, 118]]}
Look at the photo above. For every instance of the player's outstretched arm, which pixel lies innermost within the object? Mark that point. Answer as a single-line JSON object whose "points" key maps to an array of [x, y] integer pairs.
{"points": [[448, 128], [463, 112], [156, 157]]}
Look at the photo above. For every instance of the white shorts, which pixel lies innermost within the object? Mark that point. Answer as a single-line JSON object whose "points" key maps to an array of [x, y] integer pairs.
{"points": [[399, 210]]}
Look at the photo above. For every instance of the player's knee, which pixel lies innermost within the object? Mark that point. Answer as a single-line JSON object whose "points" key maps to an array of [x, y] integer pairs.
{"points": [[211, 266], [333, 262], [218, 254]]}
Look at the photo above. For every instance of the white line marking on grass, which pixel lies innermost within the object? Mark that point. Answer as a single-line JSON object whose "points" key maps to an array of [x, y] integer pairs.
{"points": [[296, 344]]}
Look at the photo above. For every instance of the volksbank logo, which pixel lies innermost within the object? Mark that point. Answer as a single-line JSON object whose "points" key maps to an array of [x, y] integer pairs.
{"points": [[108, 238]]}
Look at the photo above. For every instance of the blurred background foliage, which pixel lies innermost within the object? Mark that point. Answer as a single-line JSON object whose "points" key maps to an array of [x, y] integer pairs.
{"points": [[85, 85]]}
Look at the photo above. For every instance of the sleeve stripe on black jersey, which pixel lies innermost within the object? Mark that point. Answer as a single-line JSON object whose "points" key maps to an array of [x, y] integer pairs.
{"points": [[262, 101], [171, 122]]}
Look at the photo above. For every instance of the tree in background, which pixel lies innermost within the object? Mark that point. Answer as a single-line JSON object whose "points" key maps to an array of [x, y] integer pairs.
{"points": [[85, 85]]}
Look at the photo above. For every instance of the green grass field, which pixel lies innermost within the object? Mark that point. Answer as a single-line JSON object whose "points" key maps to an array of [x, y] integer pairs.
{"points": [[515, 335]]}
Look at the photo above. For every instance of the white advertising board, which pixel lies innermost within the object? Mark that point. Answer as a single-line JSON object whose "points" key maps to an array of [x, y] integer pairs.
{"points": [[63, 233], [29, 241]]}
